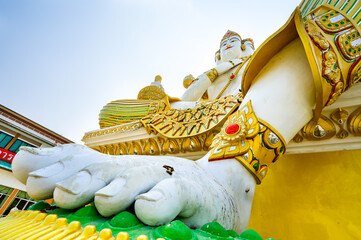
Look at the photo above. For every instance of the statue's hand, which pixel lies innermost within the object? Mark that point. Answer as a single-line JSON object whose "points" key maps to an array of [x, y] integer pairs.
{"points": [[226, 66], [161, 187]]}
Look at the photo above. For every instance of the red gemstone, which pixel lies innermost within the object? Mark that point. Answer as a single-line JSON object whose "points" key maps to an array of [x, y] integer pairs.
{"points": [[232, 128], [232, 76]]}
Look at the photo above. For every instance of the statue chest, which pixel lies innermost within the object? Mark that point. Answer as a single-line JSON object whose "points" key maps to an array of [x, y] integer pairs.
{"points": [[217, 87]]}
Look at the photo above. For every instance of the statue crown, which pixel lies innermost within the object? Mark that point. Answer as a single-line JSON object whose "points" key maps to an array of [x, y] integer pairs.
{"points": [[229, 34]]}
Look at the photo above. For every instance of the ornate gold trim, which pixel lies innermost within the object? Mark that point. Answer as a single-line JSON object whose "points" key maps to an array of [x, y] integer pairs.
{"points": [[160, 145], [176, 123], [316, 131], [251, 141], [354, 122], [115, 129], [212, 74], [324, 128], [339, 116]]}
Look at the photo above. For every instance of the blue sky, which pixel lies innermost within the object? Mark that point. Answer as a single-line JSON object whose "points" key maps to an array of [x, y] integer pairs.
{"points": [[61, 61]]}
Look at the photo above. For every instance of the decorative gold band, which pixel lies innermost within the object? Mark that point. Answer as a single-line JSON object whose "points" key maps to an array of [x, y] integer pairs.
{"points": [[250, 140], [212, 74], [177, 123]]}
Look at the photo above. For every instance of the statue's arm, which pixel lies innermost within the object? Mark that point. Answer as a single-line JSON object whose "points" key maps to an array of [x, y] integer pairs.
{"points": [[205, 80]]}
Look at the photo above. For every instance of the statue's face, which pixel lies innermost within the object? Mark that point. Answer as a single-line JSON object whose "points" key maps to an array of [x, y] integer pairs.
{"points": [[230, 48]]}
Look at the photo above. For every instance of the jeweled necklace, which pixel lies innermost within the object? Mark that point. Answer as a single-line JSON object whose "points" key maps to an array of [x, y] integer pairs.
{"points": [[233, 76]]}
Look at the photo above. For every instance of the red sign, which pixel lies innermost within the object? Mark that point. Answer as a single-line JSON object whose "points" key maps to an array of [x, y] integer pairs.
{"points": [[6, 155]]}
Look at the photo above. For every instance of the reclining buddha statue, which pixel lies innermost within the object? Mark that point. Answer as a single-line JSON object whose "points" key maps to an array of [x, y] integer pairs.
{"points": [[292, 76]]}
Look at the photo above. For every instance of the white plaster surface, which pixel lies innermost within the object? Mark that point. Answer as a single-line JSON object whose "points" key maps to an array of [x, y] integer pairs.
{"points": [[8, 179]]}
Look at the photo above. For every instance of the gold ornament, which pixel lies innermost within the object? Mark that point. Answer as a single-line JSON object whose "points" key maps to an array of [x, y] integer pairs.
{"points": [[321, 130], [355, 75], [188, 80], [251, 141], [176, 123], [317, 36], [332, 22], [349, 43], [212, 74], [160, 145], [339, 116], [354, 122]]}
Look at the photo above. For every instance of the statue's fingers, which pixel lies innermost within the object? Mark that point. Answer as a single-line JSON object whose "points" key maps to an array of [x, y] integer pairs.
{"points": [[121, 192], [79, 189], [41, 183], [167, 200]]}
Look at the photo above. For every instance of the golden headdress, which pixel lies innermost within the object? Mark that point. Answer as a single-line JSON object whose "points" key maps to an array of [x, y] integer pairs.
{"points": [[229, 34]]}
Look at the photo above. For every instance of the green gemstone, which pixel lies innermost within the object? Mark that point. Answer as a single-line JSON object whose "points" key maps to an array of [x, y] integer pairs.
{"points": [[176, 230], [353, 35], [336, 25], [251, 235], [326, 16], [331, 14], [342, 22], [347, 20], [87, 211], [354, 51], [232, 233], [330, 25], [346, 42], [349, 37], [359, 49], [349, 49], [255, 166], [324, 20], [41, 205], [281, 149], [215, 229], [124, 220]]}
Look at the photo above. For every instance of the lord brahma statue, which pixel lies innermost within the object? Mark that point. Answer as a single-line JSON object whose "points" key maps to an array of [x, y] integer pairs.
{"points": [[284, 84]]}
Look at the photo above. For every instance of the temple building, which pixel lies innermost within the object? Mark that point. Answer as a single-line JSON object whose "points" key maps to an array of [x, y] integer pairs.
{"points": [[16, 131]]}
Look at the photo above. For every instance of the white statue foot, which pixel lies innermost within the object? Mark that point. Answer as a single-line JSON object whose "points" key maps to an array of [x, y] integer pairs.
{"points": [[162, 187]]}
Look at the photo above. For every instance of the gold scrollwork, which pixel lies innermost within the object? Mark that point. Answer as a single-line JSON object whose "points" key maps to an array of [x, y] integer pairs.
{"points": [[331, 71], [152, 147], [160, 145], [316, 36], [336, 92], [212, 74], [251, 141], [321, 130], [339, 116], [333, 22], [176, 123], [355, 75], [297, 138], [349, 44], [116, 129], [191, 144], [354, 122]]}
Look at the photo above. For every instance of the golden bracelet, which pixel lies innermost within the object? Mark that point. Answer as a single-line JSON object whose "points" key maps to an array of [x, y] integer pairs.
{"points": [[212, 74], [250, 140]]}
